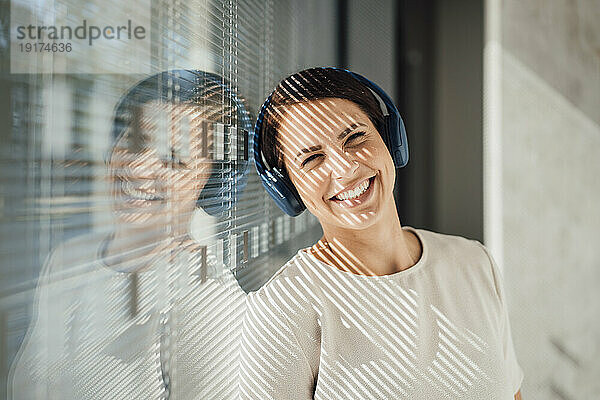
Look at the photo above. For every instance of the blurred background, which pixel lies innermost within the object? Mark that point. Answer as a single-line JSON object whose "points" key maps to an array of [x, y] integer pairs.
{"points": [[501, 102]]}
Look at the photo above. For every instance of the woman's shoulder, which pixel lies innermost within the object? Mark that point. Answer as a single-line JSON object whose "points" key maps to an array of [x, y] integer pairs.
{"points": [[295, 278], [468, 260], [449, 247], [72, 258], [285, 272]]}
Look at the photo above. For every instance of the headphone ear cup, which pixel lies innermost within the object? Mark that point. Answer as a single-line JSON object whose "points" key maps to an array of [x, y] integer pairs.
{"points": [[397, 142], [282, 192]]}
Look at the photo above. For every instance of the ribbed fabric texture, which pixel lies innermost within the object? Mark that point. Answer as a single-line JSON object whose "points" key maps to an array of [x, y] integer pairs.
{"points": [[437, 330]]}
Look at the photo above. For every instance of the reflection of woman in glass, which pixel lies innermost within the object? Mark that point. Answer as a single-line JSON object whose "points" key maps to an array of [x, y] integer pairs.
{"points": [[148, 311], [373, 309]]}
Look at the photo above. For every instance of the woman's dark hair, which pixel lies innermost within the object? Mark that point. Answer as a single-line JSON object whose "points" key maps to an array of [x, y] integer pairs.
{"points": [[307, 85]]}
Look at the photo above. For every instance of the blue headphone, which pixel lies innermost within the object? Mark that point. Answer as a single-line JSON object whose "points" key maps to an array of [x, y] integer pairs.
{"points": [[279, 186], [189, 86]]}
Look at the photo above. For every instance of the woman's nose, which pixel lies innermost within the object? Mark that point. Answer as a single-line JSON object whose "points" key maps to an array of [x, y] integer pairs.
{"points": [[343, 165]]}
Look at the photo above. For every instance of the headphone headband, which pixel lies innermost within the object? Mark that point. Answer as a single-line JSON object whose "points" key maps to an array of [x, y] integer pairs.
{"points": [[281, 189]]}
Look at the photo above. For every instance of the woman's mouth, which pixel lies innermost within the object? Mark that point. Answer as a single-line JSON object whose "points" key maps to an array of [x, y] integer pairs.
{"points": [[134, 193], [355, 196]]}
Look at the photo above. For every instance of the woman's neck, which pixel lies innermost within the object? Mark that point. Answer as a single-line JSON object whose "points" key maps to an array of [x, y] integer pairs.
{"points": [[381, 249]]}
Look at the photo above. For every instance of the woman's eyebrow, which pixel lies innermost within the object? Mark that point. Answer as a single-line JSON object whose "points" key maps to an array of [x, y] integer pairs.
{"points": [[349, 129], [341, 136], [309, 150]]}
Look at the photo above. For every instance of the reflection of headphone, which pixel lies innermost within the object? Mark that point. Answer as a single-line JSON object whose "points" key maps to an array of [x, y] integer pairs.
{"points": [[279, 186], [191, 86]]}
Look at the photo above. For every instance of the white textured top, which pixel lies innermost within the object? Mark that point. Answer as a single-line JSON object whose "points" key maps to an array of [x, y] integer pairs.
{"points": [[85, 340], [439, 329]]}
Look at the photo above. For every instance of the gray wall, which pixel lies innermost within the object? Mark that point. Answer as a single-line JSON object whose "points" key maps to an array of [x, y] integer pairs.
{"points": [[458, 119], [371, 41], [550, 83]]}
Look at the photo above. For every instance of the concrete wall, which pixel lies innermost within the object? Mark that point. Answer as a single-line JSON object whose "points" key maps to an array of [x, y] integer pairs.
{"points": [[550, 213], [458, 120], [371, 41]]}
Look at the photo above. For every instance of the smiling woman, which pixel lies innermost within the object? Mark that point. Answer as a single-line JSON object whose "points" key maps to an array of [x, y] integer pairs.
{"points": [[373, 309], [343, 175]]}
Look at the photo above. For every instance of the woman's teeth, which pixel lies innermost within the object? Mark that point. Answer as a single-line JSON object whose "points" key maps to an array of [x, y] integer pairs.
{"points": [[354, 193], [131, 191]]}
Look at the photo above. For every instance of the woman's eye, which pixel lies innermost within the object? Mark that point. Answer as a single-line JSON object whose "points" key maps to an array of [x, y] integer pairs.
{"points": [[354, 137], [311, 158]]}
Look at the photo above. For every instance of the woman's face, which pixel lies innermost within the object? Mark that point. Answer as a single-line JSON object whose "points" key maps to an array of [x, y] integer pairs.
{"points": [[338, 162], [158, 167]]}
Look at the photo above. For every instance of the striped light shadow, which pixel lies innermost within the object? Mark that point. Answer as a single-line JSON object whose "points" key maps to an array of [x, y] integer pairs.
{"points": [[299, 128], [335, 382], [261, 368], [98, 325], [404, 317], [475, 340], [364, 154], [103, 336], [351, 266], [403, 368], [308, 295], [316, 110], [311, 117], [309, 121], [305, 121], [318, 178], [207, 343], [381, 390], [254, 319], [404, 312], [255, 379], [299, 87], [347, 383], [214, 319], [393, 296], [316, 116], [346, 258], [367, 387], [116, 377], [324, 108], [450, 338], [307, 127], [332, 293], [313, 181], [381, 372], [338, 292]]}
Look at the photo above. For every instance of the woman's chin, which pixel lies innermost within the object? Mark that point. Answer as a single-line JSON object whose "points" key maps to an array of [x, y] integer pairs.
{"points": [[349, 220], [358, 220]]}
